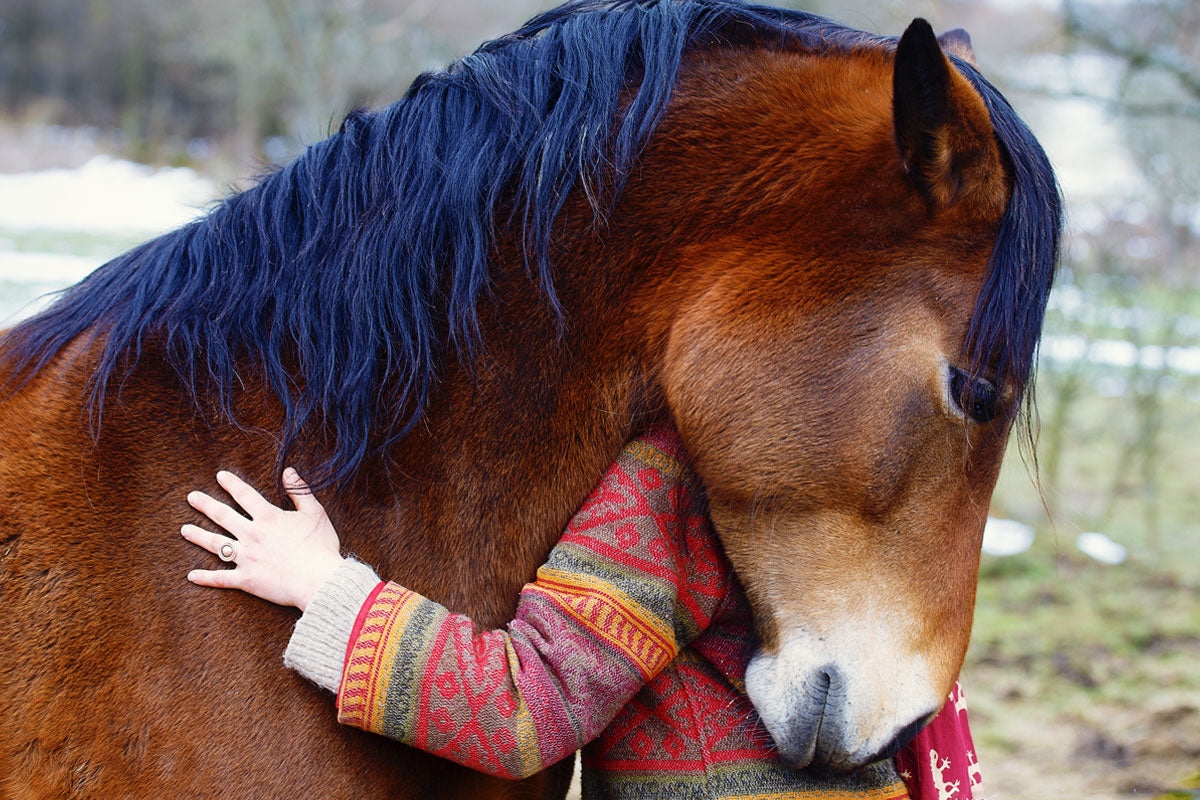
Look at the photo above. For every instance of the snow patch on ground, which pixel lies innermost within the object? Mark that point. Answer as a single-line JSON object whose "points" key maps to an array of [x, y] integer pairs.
{"points": [[40, 268], [1101, 548], [1006, 537], [99, 210], [105, 195]]}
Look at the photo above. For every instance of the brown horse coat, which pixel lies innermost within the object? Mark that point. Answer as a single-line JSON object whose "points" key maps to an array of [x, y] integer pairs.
{"points": [[777, 278]]}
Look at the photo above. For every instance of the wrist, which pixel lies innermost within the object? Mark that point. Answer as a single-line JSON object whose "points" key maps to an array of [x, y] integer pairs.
{"points": [[317, 649], [318, 574]]}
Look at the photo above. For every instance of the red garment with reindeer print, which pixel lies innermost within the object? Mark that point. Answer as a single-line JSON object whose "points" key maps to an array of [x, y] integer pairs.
{"points": [[941, 758], [631, 644]]}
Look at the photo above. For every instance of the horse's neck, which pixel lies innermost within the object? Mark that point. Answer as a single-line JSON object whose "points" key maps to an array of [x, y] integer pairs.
{"points": [[508, 450]]}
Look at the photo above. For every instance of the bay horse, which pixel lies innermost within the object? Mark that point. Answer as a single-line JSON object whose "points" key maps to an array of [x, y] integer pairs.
{"points": [[823, 255]]}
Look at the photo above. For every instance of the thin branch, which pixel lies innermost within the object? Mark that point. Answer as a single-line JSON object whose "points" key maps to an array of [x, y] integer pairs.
{"points": [[1139, 56]]}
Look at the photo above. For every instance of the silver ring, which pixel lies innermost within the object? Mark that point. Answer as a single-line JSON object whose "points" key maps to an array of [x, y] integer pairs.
{"points": [[227, 552]]}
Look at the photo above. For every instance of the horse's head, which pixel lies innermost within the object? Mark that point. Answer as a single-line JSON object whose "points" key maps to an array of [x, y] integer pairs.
{"points": [[824, 377]]}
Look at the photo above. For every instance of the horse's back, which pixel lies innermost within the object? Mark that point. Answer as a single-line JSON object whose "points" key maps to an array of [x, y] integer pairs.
{"points": [[118, 678]]}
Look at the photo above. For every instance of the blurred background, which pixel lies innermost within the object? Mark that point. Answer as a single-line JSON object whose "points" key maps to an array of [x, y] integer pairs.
{"points": [[123, 118]]}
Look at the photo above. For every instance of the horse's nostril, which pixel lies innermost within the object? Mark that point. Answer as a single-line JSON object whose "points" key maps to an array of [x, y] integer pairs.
{"points": [[819, 691], [821, 686], [828, 693]]}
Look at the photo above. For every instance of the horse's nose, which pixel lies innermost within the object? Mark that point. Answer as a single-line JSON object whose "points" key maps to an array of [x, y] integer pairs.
{"points": [[835, 716], [821, 741]]}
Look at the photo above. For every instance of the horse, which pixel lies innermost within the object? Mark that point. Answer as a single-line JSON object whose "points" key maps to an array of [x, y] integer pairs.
{"points": [[823, 255]]}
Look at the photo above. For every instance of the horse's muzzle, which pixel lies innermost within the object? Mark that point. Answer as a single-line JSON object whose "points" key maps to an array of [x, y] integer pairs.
{"points": [[818, 717]]}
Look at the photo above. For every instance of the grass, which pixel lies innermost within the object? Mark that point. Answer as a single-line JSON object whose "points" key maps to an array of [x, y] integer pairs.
{"points": [[1084, 678]]}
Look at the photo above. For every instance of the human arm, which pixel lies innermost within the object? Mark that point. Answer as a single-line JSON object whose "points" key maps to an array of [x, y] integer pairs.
{"points": [[616, 600]]}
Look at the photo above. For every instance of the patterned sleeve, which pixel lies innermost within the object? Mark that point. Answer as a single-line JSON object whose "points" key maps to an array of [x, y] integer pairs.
{"points": [[940, 762], [632, 581]]}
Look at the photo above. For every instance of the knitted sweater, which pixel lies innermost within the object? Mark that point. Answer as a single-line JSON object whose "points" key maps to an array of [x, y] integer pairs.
{"points": [[632, 644]]}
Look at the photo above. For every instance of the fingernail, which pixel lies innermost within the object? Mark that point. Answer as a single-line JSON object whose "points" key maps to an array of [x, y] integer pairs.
{"points": [[192, 576]]}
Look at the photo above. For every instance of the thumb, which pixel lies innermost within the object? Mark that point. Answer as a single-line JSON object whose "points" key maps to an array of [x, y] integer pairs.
{"points": [[301, 495]]}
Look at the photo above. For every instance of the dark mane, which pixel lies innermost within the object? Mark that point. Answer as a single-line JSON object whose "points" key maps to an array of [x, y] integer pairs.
{"points": [[1007, 323], [334, 275]]}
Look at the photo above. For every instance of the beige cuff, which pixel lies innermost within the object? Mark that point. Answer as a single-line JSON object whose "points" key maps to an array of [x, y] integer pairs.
{"points": [[317, 649]]}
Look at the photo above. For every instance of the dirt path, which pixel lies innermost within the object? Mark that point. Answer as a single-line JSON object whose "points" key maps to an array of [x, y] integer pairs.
{"points": [[1104, 751]]}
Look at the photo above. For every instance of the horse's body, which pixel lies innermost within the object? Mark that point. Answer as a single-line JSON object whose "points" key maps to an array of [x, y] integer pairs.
{"points": [[769, 279]]}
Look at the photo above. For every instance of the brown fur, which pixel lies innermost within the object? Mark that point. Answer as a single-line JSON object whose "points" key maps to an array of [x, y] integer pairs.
{"points": [[771, 281]]}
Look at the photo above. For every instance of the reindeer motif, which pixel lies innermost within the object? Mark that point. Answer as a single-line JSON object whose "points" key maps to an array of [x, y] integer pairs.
{"points": [[973, 772], [938, 765]]}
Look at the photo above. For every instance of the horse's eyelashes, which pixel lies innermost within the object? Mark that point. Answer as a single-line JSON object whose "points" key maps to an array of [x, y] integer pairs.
{"points": [[977, 398]]}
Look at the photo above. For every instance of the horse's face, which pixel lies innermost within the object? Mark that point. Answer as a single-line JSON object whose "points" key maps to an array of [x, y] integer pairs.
{"points": [[815, 379]]}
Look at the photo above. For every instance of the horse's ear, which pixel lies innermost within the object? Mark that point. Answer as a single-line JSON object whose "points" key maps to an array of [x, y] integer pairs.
{"points": [[958, 42], [943, 130]]}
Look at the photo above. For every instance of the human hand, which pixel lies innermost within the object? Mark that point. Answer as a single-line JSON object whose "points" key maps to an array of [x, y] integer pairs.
{"points": [[280, 556]]}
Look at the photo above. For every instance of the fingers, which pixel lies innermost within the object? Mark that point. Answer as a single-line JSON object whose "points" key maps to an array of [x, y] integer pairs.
{"points": [[246, 495], [218, 512], [217, 578], [301, 495], [207, 539]]}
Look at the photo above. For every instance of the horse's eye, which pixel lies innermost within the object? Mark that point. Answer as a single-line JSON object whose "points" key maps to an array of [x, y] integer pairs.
{"points": [[977, 398]]}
